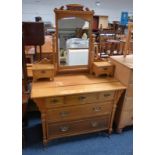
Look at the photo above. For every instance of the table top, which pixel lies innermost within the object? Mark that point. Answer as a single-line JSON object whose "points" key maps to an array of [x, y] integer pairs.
{"points": [[74, 84]]}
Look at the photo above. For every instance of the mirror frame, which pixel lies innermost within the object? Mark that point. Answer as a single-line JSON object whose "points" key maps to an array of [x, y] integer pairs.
{"points": [[83, 14]]}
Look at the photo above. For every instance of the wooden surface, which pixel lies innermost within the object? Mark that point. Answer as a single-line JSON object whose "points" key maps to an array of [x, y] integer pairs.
{"points": [[75, 85], [101, 64], [124, 73], [76, 104], [125, 61]]}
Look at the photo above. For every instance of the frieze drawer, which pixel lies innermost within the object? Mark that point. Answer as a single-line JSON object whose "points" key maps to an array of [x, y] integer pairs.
{"points": [[54, 102], [81, 99], [104, 96]]}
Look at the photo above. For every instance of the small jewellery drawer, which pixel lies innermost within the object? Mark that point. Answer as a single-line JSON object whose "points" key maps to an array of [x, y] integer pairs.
{"points": [[80, 99], [100, 68], [55, 130], [43, 73], [105, 69], [104, 96], [77, 112], [54, 102]]}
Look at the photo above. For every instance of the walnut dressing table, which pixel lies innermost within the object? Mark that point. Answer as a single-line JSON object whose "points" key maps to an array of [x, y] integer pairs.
{"points": [[76, 104]]}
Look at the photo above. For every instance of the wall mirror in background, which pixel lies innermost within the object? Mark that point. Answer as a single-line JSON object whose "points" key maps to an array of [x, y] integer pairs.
{"points": [[73, 38]]}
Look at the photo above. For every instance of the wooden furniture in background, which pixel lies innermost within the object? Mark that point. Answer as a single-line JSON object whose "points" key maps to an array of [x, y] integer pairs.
{"points": [[124, 73], [103, 68], [33, 33], [100, 21], [129, 40], [76, 104]]}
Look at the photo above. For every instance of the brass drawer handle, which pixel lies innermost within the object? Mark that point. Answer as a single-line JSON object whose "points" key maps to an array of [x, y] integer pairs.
{"points": [[64, 128], [105, 68], [107, 95], [97, 109], [43, 72], [54, 100], [82, 97], [64, 113], [94, 124]]}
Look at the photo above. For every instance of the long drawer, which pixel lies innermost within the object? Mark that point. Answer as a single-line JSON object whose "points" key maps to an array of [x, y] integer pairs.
{"points": [[80, 111], [55, 130]]}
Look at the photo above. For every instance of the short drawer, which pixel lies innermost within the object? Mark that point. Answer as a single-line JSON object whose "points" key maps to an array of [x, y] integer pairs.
{"points": [[104, 70], [77, 112], [104, 96], [38, 74], [55, 130], [81, 99], [54, 102]]}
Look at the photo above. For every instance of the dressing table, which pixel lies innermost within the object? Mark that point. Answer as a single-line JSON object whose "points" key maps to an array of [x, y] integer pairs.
{"points": [[76, 102]]}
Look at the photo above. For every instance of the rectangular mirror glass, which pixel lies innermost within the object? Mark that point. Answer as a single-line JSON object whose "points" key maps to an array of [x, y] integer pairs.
{"points": [[73, 41]]}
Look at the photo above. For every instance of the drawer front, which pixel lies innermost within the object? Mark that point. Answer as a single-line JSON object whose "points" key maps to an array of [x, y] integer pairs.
{"points": [[105, 96], [54, 102], [81, 99], [105, 70], [42, 73], [77, 112], [55, 130]]}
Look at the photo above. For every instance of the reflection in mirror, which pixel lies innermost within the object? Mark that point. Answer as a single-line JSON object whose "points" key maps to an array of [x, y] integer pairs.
{"points": [[73, 41]]}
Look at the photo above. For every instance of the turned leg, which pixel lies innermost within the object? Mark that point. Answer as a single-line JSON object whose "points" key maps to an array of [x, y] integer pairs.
{"points": [[110, 131], [119, 130]]}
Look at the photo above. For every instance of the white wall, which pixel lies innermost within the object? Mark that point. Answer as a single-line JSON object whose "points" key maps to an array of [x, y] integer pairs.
{"points": [[44, 8]]}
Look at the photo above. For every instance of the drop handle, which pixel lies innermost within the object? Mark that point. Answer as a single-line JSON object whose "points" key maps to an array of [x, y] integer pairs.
{"points": [[96, 109], [54, 100], [43, 71], [82, 98], [64, 113], [94, 124], [106, 95], [64, 128], [105, 68]]}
